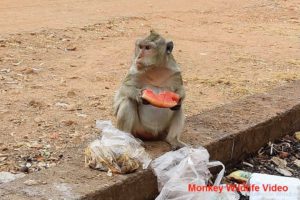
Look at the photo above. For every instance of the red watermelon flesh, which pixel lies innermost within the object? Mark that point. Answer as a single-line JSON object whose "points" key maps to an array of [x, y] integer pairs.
{"points": [[164, 99]]}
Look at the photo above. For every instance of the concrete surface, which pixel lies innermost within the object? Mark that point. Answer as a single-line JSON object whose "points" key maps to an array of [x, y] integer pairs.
{"points": [[229, 132]]}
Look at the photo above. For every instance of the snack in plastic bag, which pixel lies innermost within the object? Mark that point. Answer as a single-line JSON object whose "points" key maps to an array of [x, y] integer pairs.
{"points": [[240, 176], [116, 151], [179, 171]]}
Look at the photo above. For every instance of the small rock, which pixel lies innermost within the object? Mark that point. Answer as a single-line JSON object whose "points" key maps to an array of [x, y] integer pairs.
{"points": [[53, 158], [63, 82], [297, 162], [31, 182], [62, 105], [81, 115], [71, 47], [54, 136], [71, 93], [39, 158], [3, 159], [28, 165], [109, 173], [17, 64], [19, 144], [68, 122], [29, 71], [42, 164], [293, 158], [38, 120], [24, 169], [52, 165], [4, 149], [5, 70], [35, 104], [35, 145]]}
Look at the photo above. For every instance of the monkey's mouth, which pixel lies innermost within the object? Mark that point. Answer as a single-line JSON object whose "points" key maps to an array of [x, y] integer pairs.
{"points": [[139, 64]]}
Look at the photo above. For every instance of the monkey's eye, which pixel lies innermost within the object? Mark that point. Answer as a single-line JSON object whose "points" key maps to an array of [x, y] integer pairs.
{"points": [[147, 47], [140, 46]]}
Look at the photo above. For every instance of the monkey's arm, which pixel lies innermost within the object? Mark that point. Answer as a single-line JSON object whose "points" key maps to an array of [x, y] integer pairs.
{"points": [[181, 92], [128, 90], [131, 92], [131, 88]]}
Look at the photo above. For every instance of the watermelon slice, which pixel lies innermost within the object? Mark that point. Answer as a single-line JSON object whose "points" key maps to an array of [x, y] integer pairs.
{"points": [[164, 99]]}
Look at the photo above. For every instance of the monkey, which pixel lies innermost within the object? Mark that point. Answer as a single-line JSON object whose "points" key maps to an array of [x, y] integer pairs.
{"points": [[153, 67]]}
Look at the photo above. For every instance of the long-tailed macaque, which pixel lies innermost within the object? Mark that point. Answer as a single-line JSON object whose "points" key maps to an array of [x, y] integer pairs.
{"points": [[153, 67]]}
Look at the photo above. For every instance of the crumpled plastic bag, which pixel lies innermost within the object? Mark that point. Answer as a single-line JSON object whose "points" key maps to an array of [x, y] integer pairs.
{"points": [[116, 151], [180, 170]]}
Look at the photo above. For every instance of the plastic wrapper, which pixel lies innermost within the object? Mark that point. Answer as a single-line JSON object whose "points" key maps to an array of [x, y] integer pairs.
{"points": [[239, 176], [116, 151], [178, 171]]}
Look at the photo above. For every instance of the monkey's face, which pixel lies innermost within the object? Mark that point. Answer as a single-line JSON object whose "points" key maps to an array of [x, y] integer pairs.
{"points": [[152, 51], [147, 55]]}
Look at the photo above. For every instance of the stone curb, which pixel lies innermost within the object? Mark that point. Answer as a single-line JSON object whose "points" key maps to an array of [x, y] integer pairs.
{"points": [[229, 132]]}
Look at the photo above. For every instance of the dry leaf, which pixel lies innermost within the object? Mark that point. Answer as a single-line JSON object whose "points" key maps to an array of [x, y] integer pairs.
{"points": [[284, 172], [279, 162]]}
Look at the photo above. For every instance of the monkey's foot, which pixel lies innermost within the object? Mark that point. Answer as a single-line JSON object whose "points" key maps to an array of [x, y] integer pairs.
{"points": [[175, 145]]}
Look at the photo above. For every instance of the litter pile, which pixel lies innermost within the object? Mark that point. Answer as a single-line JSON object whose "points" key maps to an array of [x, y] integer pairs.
{"points": [[279, 158], [184, 174], [272, 165]]}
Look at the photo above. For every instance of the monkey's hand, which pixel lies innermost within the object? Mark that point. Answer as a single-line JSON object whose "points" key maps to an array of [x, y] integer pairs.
{"points": [[139, 94], [144, 101], [181, 92]]}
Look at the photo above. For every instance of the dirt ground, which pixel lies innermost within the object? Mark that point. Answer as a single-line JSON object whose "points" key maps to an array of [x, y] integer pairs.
{"points": [[61, 62]]}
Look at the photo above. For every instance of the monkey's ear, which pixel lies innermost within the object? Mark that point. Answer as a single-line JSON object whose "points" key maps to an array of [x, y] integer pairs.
{"points": [[138, 41], [170, 46]]}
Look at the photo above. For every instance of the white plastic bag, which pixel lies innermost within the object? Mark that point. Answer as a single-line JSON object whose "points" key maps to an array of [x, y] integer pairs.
{"points": [[274, 187], [116, 151], [181, 173]]}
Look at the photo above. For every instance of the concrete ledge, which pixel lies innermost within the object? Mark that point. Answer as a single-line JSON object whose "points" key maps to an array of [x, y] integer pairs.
{"points": [[229, 132]]}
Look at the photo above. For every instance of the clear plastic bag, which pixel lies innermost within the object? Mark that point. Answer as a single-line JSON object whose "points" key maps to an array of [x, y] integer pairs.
{"points": [[180, 172], [116, 151]]}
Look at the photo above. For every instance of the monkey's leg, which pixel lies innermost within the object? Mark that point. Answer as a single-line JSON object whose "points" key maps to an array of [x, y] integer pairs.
{"points": [[175, 130], [127, 116]]}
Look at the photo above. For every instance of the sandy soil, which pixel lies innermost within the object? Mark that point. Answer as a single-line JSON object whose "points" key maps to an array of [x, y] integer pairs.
{"points": [[61, 62]]}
